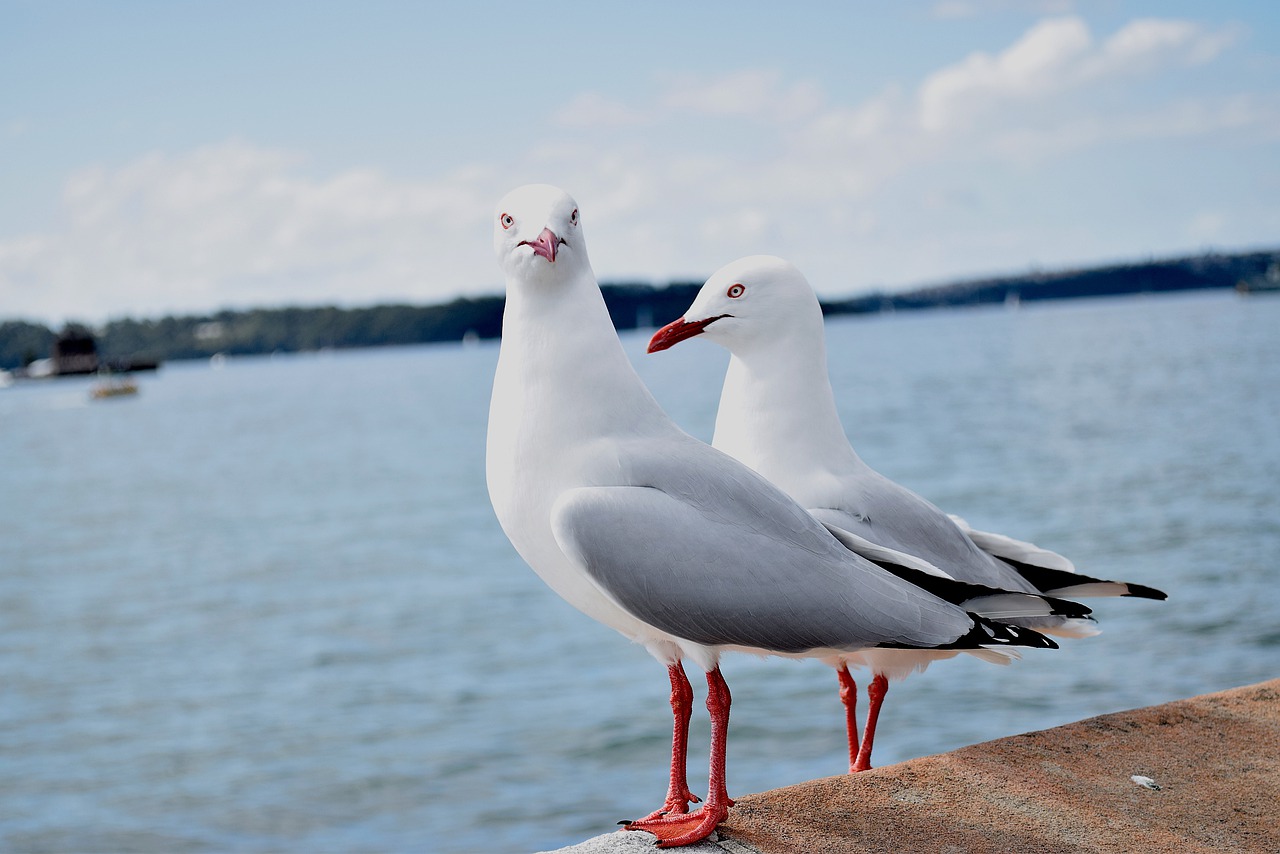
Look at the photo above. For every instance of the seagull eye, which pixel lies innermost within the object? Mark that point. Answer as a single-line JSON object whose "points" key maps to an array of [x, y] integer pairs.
{"points": [[507, 220], [573, 217], [735, 291]]}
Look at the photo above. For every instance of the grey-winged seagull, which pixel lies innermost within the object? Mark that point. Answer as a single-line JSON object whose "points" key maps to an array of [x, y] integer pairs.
{"points": [[677, 546], [778, 415]]}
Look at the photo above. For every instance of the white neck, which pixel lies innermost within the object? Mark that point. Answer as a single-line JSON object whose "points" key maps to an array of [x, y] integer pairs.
{"points": [[559, 351], [778, 415], [562, 383]]}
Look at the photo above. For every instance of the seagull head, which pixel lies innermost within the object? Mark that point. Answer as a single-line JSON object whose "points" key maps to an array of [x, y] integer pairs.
{"points": [[536, 233], [751, 302]]}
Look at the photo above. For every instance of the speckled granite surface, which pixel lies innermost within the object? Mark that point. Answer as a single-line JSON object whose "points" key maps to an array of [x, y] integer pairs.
{"points": [[1215, 760]]}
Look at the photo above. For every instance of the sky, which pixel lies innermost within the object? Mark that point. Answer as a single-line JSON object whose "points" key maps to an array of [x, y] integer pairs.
{"points": [[179, 158]]}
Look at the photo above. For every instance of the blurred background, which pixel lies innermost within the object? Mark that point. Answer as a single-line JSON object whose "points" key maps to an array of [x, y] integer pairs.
{"points": [[163, 158], [259, 602]]}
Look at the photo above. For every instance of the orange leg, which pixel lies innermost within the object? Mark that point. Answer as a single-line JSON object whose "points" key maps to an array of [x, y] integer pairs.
{"points": [[875, 693], [674, 831], [849, 696], [678, 795]]}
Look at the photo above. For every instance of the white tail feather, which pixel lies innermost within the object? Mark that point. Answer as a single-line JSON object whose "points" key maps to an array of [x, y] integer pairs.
{"points": [[1007, 547], [996, 655], [1072, 628]]}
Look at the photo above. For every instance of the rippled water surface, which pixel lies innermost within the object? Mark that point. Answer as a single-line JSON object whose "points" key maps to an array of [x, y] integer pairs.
{"points": [[267, 607]]}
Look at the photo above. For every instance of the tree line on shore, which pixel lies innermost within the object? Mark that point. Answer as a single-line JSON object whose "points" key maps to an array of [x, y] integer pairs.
{"points": [[632, 305]]}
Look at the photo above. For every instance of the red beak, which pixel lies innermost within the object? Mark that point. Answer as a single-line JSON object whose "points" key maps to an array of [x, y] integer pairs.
{"points": [[545, 245], [678, 330]]}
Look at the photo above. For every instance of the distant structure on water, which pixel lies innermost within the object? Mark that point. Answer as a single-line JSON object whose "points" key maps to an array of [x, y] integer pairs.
{"points": [[75, 353], [1269, 281]]}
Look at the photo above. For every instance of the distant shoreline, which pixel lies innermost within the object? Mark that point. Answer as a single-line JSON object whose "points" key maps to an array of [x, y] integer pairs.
{"points": [[632, 306]]}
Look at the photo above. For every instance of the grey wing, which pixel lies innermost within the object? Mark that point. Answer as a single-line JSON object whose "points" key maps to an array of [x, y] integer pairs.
{"points": [[839, 523], [698, 573], [976, 598], [899, 519]]}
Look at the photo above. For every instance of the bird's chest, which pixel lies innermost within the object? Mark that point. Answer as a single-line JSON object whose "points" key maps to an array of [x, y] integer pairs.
{"points": [[531, 463], [555, 423]]}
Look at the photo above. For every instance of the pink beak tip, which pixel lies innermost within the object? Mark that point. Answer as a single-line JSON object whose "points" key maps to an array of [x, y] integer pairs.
{"points": [[546, 245]]}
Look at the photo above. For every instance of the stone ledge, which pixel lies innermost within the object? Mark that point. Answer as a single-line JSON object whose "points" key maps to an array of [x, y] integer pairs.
{"points": [[1215, 760]]}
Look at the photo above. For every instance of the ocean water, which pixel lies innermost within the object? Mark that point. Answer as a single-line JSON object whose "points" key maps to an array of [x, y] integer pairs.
{"points": [[267, 607]]}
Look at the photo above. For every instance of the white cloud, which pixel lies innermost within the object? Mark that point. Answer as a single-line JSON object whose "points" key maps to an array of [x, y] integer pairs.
{"points": [[233, 224], [950, 9], [866, 122], [1056, 55], [752, 93], [706, 169], [748, 223], [1148, 43], [1207, 226], [1252, 117], [957, 9], [594, 110]]}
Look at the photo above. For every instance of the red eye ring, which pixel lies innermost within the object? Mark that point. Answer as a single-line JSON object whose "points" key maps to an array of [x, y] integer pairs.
{"points": [[507, 220], [735, 291], [573, 217]]}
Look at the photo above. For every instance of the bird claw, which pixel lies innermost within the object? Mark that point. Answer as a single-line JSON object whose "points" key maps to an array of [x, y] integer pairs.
{"points": [[674, 831], [674, 805]]}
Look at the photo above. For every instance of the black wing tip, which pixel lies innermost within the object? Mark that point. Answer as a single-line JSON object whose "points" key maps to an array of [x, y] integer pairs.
{"points": [[989, 634], [1044, 578], [958, 592], [1142, 591], [1068, 608], [993, 633]]}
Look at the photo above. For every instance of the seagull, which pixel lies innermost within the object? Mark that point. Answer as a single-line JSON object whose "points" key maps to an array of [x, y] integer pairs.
{"points": [[778, 415], [675, 545]]}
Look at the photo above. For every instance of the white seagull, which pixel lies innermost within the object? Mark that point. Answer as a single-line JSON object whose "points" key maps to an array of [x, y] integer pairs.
{"points": [[672, 543], [778, 415]]}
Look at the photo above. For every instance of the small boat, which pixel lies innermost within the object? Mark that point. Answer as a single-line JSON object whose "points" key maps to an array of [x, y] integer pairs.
{"points": [[113, 387], [1268, 282]]}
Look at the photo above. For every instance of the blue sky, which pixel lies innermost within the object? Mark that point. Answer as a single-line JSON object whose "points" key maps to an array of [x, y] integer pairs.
{"points": [[182, 157]]}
